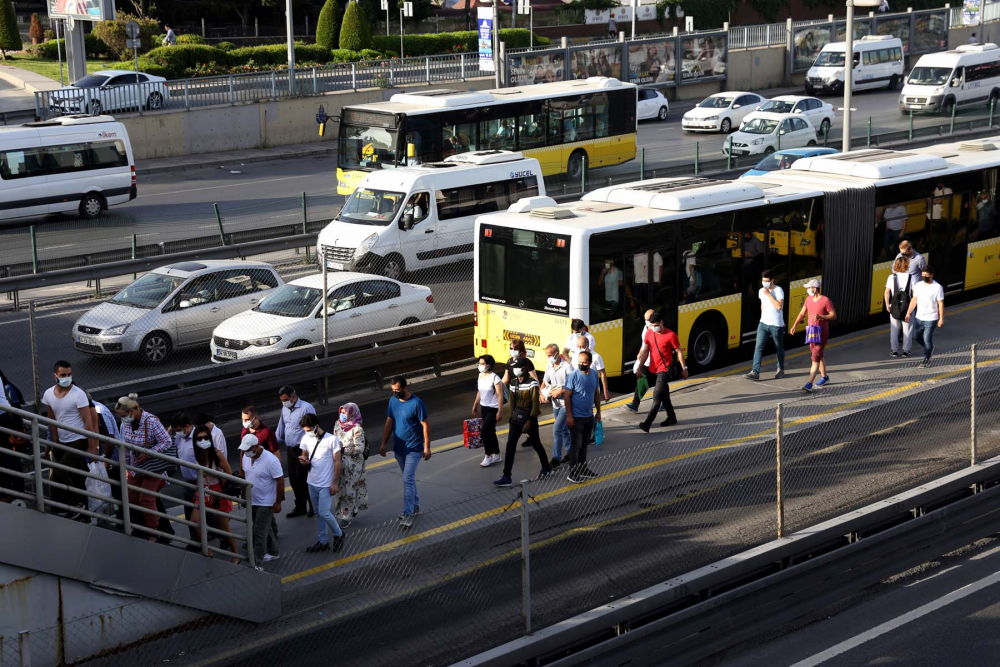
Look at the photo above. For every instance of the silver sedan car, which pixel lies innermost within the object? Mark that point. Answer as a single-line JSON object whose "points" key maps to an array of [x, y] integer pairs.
{"points": [[173, 307]]}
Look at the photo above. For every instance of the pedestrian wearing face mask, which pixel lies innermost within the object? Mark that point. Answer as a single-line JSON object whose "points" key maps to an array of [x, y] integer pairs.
{"points": [[145, 431], [518, 351], [524, 411], [250, 419], [917, 262], [553, 385], [293, 409], [68, 404], [927, 307], [353, 494], [323, 458], [772, 325], [578, 329], [407, 422], [207, 454], [581, 398], [661, 344], [642, 380], [263, 470], [596, 364], [182, 431], [218, 437], [820, 312], [898, 294], [489, 406]]}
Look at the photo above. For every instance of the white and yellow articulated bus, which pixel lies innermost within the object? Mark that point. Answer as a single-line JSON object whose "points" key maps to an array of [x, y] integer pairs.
{"points": [[568, 126], [694, 248]]}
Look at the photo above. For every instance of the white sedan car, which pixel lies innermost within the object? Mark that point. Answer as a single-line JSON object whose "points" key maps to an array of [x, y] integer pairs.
{"points": [[291, 317], [819, 113], [652, 104], [110, 90], [721, 112], [769, 132]]}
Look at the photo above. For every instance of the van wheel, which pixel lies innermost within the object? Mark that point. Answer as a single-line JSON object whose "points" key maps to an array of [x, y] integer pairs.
{"points": [[893, 82], [768, 150], [91, 206], [408, 320], [154, 102], [812, 142], [155, 348], [393, 266], [706, 344], [575, 168]]}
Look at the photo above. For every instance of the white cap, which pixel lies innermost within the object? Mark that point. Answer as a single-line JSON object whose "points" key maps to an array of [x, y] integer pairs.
{"points": [[249, 440]]}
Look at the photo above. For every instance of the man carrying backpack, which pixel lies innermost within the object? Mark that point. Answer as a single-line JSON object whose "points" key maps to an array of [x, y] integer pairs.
{"points": [[898, 292]]}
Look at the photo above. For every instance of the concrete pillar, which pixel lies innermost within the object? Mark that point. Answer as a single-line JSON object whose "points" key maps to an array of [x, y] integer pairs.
{"points": [[76, 52]]}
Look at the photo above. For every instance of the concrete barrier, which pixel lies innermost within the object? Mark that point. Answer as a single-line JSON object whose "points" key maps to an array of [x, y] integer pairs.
{"points": [[756, 69]]}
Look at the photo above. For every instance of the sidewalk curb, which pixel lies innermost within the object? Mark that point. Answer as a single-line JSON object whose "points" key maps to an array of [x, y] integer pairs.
{"points": [[234, 160]]}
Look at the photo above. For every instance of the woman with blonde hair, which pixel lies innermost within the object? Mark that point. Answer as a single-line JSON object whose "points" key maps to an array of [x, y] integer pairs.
{"points": [[145, 431], [898, 293], [352, 496]]}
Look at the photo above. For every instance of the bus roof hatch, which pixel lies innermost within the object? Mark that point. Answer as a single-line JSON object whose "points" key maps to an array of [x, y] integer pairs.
{"points": [[443, 99], [873, 164], [678, 194]]}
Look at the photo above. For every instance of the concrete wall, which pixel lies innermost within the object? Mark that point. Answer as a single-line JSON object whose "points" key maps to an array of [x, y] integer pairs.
{"points": [[756, 69]]}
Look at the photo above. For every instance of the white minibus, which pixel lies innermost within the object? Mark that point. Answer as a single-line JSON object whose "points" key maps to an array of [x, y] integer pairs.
{"points": [[72, 163], [412, 218], [878, 63], [965, 77]]}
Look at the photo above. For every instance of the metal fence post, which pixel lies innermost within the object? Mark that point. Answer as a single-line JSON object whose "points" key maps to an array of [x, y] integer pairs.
{"points": [[218, 218], [133, 252], [305, 215], [354, 76], [32, 335], [36, 454], [232, 100], [951, 130], [729, 153], [911, 125], [525, 560], [869, 131], [24, 648], [315, 83], [427, 68], [642, 163], [696, 158], [583, 174], [826, 135], [187, 94], [462, 59], [123, 481], [274, 85], [202, 519], [992, 105], [326, 314], [972, 379], [779, 424], [248, 498], [34, 250]]}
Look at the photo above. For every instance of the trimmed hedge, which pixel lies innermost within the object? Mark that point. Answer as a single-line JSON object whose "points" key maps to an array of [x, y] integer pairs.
{"points": [[156, 67], [445, 42], [190, 38], [273, 54], [178, 58], [225, 46], [50, 50], [328, 25], [354, 31]]}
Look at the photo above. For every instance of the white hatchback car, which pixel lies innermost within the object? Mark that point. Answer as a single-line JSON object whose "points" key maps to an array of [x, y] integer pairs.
{"points": [[111, 90], [652, 104], [291, 317], [769, 132], [721, 112], [819, 113]]}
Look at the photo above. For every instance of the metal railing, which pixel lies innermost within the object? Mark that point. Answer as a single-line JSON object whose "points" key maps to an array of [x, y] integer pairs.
{"points": [[39, 486], [754, 36]]}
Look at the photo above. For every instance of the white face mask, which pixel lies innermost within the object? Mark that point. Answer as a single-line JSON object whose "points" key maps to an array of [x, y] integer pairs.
{"points": [[766, 283], [515, 353], [482, 368], [811, 291], [204, 444], [517, 372], [607, 265], [656, 328], [287, 404], [552, 360], [64, 382], [247, 423]]}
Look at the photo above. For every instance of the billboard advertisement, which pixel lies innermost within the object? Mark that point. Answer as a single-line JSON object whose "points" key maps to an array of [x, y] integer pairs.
{"points": [[484, 21], [605, 61], [930, 33], [861, 28], [528, 70], [896, 28], [808, 42], [703, 57], [651, 62], [84, 10]]}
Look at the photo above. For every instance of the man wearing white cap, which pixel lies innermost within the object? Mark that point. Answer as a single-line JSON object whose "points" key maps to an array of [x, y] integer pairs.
{"points": [[263, 469]]}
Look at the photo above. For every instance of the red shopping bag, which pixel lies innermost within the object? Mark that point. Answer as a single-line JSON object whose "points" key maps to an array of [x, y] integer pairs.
{"points": [[472, 433]]}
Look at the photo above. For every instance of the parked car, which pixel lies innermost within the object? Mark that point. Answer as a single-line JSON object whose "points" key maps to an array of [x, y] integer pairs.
{"points": [[652, 104], [720, 112], [819, 113], [769, 132], [291, 317], [110, 90], [784, 159], [173, 307]]}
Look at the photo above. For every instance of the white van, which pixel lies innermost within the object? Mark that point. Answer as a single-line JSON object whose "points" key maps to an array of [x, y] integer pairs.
{"points": [[967, 76], [878, 63], [72, 163], [412, 218]]}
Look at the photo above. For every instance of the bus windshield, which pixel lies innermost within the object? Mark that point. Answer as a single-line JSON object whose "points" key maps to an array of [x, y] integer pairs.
{"points": [[929, 76], [760, 126], [830, 59], [363, 147], [524, 269], [371, 207]]}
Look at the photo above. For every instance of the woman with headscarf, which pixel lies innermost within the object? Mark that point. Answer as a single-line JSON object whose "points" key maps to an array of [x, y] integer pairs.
{"points": [[352, 496]]}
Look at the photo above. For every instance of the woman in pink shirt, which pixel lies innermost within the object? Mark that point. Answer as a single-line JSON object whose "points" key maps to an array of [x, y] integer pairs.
{"points": [[820, 311]]}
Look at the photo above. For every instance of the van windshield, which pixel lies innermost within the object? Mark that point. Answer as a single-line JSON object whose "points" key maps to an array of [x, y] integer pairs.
{"points": [[372, 207], [929, 76], [830, 59]]}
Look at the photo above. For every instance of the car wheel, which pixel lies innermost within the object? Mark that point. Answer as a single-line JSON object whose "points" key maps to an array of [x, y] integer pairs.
{"points": [[155, 348], [727, 126], [576, 166], [707, 341], [95, 107], [155, 101], [662, 115], [768, 150], [393, 266], [812, 142], [893, 82], [408, 320], [91, 206], [824, 127]]}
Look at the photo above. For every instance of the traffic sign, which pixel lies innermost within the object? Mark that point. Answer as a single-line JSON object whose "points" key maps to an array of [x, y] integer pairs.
{"points": [[133, 43], [132, 29]]}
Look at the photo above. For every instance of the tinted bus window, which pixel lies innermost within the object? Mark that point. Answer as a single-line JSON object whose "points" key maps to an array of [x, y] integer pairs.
{"points": [[525, 269]]}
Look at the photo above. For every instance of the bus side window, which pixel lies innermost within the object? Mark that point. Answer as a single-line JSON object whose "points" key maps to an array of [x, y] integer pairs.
{"points": [[985, 216], [531, 131], [607, 290], [555, 128]]}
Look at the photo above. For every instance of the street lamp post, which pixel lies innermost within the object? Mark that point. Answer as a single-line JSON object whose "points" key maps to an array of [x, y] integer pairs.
{"points": [[405, 9], [385, 8], [849, 65]]}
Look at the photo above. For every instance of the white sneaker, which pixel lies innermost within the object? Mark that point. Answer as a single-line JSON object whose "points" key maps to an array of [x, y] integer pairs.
{"points": [[487, 461], [496, 458], [269, 557]]}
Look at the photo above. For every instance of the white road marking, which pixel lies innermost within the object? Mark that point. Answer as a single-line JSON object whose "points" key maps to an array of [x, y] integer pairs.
{"points": [[218, 187], [42, 317], [937, 574], [986, 554], [899, 621]]}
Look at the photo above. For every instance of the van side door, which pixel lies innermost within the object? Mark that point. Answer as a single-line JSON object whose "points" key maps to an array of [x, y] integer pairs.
{"points": [[417, 231]]}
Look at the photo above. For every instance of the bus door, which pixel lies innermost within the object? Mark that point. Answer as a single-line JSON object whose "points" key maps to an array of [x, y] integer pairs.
{"points": [[763, 249], [649, 284], [947, 239]]}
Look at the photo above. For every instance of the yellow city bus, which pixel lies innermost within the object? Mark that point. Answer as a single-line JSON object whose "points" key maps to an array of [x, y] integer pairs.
{"points": [[568, 127], [694, 249]]}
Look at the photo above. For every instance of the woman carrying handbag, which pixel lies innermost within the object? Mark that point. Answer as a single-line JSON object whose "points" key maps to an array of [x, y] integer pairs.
{"points": [[144, 430], [352, 496]]}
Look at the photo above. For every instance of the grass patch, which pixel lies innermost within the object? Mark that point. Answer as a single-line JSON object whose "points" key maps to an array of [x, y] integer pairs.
{"points": [[50, 68]]}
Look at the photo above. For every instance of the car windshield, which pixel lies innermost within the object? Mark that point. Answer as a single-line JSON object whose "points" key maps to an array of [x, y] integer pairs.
{"points": [[830, 59], [716, 102], [777, 106], [290, 301], [149, 291], [760, 126], [91, 81], [775, 162], [371, 207], [929, 76]]}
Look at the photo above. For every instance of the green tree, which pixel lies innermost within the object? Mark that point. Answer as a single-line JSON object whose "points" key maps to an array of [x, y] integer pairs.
{"points": [[328, 26], [354, 32], [10, 38]]}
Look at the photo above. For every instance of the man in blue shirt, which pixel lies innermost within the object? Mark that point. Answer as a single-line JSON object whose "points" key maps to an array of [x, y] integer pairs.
{"points": [[290, 433], [406, 421], [580, 394]]}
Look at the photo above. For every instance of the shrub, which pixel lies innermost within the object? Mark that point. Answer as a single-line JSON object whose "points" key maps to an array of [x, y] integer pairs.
{"points": [[328, 26], [183, 57], [277, 54], [225, 46], [354, 32], [156, 66], [112, 33], [36, 32], [190, 38], [10, 38], [50, 50], [455, 42], [370, 54], [345, 56], [50, 34]]}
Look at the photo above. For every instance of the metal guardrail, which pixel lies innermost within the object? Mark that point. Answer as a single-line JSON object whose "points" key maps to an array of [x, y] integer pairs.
{"points": [[754, 36], [44, 469]]}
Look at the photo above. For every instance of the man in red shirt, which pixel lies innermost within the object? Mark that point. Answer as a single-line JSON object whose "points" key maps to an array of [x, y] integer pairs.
{"points": [[264, 434], [659, 345]]}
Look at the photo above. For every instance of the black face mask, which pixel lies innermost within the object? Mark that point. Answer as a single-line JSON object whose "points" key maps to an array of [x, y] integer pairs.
{"points": [[928, 279], [399, 394], [584, 367]]}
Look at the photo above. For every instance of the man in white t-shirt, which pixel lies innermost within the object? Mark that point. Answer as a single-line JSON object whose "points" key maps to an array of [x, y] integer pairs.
{"points": [[68, 404], [940, 193], [927, 306], [579, 329], [321, 455], [641, 382], [772, 325], [263, 469], [597, 364]]}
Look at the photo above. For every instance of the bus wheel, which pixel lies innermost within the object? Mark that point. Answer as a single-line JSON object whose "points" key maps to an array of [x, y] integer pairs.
{"points": [[575, 167], [705, 344], [893, 82], [393, 267]]}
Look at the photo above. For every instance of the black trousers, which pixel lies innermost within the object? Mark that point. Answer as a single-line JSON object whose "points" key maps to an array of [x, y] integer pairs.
{"points": [[72, 459], [10, 482], [491, 445], [580, 434], [661, 396], [297, 474], [516, 430]]}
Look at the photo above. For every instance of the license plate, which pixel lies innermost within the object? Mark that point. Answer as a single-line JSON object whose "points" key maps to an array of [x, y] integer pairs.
{"points": [[914, 106], [337, 266], [86, 340], [226, 354]]}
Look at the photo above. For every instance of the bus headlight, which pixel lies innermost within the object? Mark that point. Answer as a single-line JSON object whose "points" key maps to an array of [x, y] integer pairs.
{"points": [[366, 246]]}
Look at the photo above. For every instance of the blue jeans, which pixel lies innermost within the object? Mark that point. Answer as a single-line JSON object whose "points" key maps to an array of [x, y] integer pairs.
{"points": [[320, 497], [408, 465], [560, 434], [777, 334], [923, 333]]}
